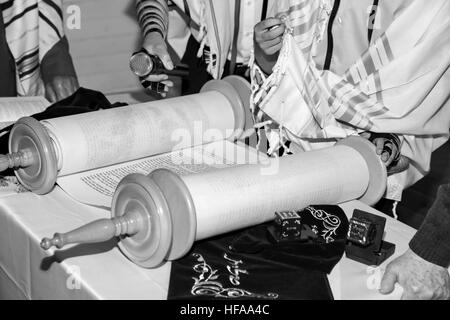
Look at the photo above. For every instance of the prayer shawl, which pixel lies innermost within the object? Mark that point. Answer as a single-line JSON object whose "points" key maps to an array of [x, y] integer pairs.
{"points": [[217, 25], [212, 24], [400, 84], [207, 17], [32, 28]]}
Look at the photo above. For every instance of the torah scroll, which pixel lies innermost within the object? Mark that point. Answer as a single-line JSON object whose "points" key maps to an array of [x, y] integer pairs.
{"points": [[42, 151], [159, 216]]}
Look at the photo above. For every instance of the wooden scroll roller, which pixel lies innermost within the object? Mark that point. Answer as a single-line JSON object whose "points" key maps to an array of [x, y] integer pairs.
{"points": [[158, 217], [40, 151]]}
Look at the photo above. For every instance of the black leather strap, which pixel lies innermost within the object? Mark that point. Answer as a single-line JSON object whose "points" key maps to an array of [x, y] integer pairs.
{"points": [[187, 11], [372, 17], [329, 55], [264, 10], [237, 20]]}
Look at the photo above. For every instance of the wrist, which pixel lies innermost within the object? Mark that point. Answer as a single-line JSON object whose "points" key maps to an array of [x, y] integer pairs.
{"points": [[427, 254], [265, 65], [57, 62], [392, 138], [153, 32], [153, 40]]}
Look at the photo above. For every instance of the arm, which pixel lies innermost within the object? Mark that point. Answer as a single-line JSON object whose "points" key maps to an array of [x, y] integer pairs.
{"points": [[7, 66], [388, 148], [56, 66], [153, 16], [422, 270], [58, 72], [432, 240]]}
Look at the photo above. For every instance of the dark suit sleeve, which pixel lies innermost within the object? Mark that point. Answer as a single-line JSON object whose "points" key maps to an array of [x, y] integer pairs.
{"points": [[57, 62], [7, 66], [432, 240]]}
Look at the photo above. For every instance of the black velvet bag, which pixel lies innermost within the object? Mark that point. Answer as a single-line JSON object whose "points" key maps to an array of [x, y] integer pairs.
{"points": [[252, 264], [82, 101]]}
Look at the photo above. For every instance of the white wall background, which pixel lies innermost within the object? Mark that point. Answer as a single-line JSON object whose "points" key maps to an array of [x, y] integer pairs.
{"points": [[101, 49]]}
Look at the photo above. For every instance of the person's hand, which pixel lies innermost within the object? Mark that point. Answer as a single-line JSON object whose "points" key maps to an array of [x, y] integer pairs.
{"points": [[154, 44], [60, 87], [420, 279], [268, 40], [388, 155], [401, 165]]}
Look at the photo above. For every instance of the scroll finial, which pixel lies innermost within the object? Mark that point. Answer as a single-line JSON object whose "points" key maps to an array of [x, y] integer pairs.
{"points": [[56, 241], [19, 159]]}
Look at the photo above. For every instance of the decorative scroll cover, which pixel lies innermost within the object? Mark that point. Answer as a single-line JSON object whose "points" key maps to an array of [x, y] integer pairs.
{"points": [[250, 264]]}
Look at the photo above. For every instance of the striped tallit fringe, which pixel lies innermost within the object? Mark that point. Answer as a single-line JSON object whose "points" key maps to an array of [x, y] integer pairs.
{"points": [[306, 23], [32, 28], [204, 49], [262, 89], [209, 57], [202, 29]]}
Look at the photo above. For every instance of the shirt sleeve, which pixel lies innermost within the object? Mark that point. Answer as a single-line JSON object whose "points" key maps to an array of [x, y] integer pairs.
{"points": [[432, 240], [57, 61], [153, 16], [7, 66]]}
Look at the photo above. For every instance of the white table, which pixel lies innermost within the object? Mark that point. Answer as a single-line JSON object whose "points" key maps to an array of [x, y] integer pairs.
{"points": [[102, 272]]}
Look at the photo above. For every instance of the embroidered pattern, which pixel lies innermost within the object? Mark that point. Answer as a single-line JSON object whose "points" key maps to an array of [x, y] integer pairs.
{"points": [[207, 283], [330, 222], [234, 270]]}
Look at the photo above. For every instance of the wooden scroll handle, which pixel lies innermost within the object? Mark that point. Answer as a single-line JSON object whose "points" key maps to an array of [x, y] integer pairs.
{"points": [[97, 231], [14, 160]]}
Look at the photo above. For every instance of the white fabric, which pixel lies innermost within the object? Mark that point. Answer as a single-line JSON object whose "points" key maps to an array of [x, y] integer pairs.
{"points": [[215, 19], [101, 272], [216, 31], [81, 272], [250, 15], [178, 33], [398, 85]]}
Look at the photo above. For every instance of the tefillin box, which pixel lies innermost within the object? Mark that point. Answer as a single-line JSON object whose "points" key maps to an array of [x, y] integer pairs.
{"points": [[365, 239], [288, 226]]}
